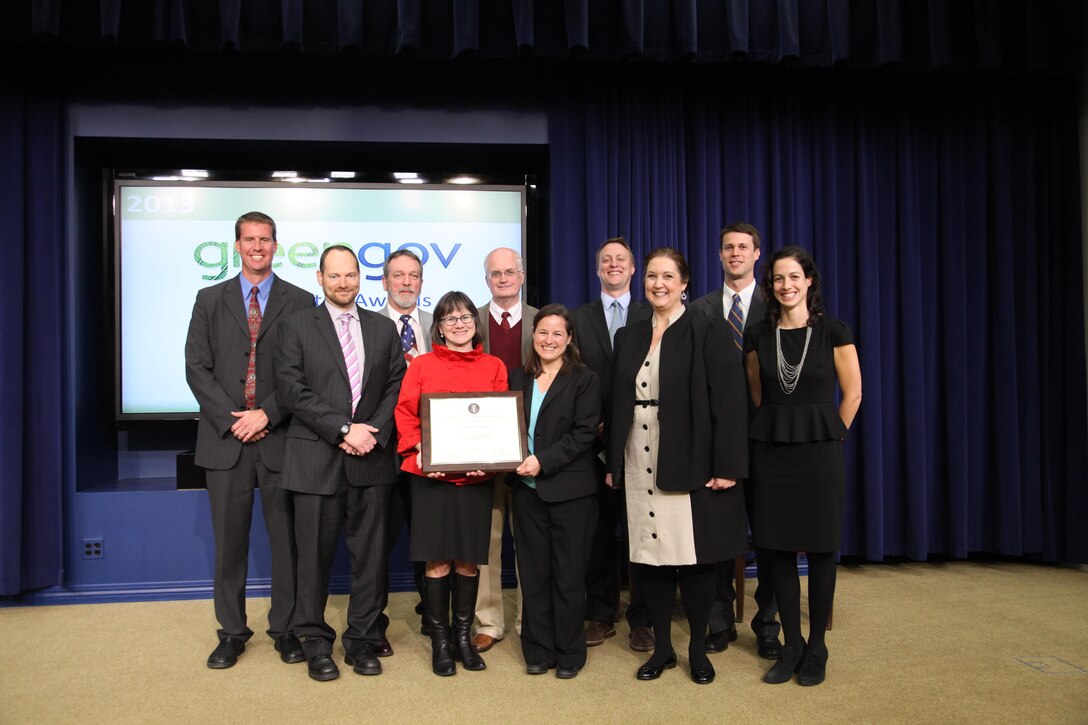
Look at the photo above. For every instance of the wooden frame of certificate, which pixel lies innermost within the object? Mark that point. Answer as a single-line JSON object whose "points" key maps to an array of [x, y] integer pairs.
{"points": [[473, 431]]}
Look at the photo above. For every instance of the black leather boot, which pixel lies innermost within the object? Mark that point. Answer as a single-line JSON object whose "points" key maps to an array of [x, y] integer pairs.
{"points": [[436, 603], [813, 667], [464, 609], [788, 663]]}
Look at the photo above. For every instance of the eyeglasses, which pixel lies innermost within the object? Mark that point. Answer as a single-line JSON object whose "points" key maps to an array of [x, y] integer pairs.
{"points": [[500, 273], [454, 319]]}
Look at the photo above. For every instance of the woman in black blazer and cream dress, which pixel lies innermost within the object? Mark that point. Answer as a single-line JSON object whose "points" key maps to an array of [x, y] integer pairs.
{"points": [[677, 444], [555, 502]]}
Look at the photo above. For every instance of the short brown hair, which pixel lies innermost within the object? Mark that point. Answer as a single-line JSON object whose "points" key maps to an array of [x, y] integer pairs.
{"points": [[740, 228], [446, 305], [613, 240], [571, 356], [254, 217]]}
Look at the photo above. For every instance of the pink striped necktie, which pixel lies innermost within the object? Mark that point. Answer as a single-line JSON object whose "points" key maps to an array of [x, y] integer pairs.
{"points": [[351, 359]]}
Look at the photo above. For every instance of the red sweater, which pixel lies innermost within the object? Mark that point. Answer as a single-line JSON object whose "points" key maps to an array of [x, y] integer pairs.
{"points": [[443, 371]]}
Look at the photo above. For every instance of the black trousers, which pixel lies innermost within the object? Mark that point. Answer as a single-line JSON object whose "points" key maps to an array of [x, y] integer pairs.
{"points": [[722, 612], [400, 514], [603, 573], [553, 543], [230, 497], [362, 512]]}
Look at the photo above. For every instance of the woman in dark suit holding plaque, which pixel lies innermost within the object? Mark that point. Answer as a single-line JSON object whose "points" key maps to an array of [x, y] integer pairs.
{"points": [[678, 442], [555, 503], [451, 513]]}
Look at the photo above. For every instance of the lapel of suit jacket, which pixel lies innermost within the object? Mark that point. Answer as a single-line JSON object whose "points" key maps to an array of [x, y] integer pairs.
{"points": [[717, 302], [232, 298], [755, 309], [368, 331], [327, 329], [560, 382], [277, 298], [597, 322]]}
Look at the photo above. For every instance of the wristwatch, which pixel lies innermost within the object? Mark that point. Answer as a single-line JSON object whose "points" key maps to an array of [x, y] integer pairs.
{"points": [[345, 429]]}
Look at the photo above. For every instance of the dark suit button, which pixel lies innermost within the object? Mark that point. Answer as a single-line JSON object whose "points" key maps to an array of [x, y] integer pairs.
{"points": [[644, 385], [646, 364], [653, 536], [644, 427], [649, 470], [651, 514], [647, 448], [650, 491]]}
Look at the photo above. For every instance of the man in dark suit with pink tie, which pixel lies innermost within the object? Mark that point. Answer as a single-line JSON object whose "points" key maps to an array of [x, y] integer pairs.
{"points": [[340, 372], [230, 367]]}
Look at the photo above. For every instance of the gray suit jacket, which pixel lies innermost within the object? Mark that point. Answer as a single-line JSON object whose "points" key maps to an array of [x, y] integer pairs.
{"points": [[528, 312], [216, 359], [314, 385], [425, 321]]}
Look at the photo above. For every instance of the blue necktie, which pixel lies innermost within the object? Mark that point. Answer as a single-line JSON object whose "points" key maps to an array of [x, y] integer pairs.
{"points": [[736, 323], [617, 321], [407, 334]]}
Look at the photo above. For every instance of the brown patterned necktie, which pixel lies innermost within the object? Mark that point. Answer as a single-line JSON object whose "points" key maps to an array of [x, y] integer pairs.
{"points": [[254, 318]]}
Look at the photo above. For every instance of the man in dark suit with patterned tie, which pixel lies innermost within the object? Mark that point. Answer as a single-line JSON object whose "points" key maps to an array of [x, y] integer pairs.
{"points": [[595, 326], [740, 302], [340, 372], [230, 367]]}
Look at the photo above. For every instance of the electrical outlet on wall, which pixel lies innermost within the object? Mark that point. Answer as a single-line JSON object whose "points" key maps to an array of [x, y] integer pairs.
{"points": [[92, 549]]}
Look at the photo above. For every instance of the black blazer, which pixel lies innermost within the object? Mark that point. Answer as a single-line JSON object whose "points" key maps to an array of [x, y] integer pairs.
{"points": [[713, 305], [702, 411], [565, 430], [314, 382], [591, 336], [216, 360]]}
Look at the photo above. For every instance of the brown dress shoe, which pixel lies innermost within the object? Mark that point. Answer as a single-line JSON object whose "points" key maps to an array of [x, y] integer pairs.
{"points": [[483, 642], [642, 639], [598, 632]]}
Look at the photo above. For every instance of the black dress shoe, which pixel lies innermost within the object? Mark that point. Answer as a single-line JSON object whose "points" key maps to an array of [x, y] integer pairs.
{"points": [[363, 660], [290, 649], [719, 641], [788, 663], [383, 648], [226, 654], [536, 668], [322, 668], [648, 672], [813, 667], [702, 676], [769, 647], [567, 673]]}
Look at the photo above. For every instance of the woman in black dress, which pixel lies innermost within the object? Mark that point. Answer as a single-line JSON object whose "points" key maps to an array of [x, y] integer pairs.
{"points": [[677, 444], [793, 360]]}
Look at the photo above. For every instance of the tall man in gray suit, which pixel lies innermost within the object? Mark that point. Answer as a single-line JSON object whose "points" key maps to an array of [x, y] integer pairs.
{"points": [[340, 373], [230, 367], [740, 302], [402, 280], [507, 328], [595, 326]]}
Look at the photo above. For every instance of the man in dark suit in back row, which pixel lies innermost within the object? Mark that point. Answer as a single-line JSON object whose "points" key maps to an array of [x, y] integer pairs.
{"points": [[740, 303], [595, 326], [340, 373], [230, 367]]}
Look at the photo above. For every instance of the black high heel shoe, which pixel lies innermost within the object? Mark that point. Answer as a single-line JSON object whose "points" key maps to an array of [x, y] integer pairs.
{"points": [[813, 667], [788, 663]]}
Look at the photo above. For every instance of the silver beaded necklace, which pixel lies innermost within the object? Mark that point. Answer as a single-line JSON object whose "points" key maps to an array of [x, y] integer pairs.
{"points": [[789, 374]]}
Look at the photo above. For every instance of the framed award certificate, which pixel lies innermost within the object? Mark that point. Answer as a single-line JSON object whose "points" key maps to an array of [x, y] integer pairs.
{"points": [[473, 431]]}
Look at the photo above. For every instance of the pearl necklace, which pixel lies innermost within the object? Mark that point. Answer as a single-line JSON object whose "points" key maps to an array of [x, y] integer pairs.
{"points": [[789, 374]]}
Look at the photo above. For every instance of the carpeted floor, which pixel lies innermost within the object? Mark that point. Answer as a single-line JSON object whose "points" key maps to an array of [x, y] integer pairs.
{"points": [[926, 643]]}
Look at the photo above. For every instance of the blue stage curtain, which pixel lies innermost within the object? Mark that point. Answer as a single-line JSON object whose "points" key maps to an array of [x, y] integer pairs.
{"points": [[32, 284], [944, 216], [970, 35]]}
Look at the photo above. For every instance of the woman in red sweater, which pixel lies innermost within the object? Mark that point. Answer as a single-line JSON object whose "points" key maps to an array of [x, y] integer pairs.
{"points": [[451, 513]]}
